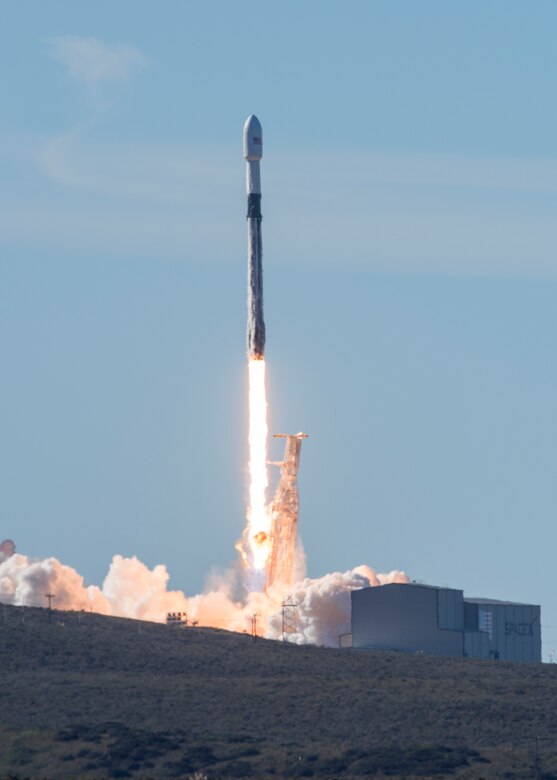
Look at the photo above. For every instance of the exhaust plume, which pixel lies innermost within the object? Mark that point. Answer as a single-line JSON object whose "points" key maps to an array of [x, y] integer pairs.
{"points": [[254, 547], [132, 590]]}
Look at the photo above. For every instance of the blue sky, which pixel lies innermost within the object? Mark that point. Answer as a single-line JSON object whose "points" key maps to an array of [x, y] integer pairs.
{"points": [[409, 200]]}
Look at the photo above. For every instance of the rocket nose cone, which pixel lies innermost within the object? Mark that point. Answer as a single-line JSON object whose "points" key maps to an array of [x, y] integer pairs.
{"points": [[253, 138]]}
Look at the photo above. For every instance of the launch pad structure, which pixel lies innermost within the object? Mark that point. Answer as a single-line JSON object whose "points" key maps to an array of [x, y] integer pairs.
{"points": [[284, 513]]}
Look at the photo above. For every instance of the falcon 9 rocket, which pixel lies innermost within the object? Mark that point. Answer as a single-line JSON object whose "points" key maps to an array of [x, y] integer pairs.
{"points": [[253, 151]]}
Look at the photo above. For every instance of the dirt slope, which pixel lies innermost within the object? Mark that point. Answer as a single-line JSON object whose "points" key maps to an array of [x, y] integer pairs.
{"points": [[91, 696]]}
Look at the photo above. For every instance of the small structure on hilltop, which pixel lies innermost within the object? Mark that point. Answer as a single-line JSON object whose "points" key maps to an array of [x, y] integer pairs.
{"points": [[179, 620]]}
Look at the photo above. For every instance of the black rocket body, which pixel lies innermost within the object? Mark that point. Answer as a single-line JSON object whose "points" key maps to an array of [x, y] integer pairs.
{"points": [[253, 151]]}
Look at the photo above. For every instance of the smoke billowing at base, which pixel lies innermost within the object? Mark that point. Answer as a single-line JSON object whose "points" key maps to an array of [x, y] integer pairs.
{"points": [[132, 590]]}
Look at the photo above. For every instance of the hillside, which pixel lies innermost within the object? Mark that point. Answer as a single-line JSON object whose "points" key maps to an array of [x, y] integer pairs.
{"points": [[92, 696]]}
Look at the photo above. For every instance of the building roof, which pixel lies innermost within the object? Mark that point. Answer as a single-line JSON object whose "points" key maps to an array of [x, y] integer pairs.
{"points": [[467, 599], [473, 600], [422, 585]]}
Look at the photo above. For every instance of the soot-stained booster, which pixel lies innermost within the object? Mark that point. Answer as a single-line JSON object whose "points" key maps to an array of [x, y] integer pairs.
{"points": [[253, 151]]}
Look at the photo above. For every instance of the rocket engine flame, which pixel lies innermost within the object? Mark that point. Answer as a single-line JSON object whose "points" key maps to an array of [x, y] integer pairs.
{"points": [[254, 547]]}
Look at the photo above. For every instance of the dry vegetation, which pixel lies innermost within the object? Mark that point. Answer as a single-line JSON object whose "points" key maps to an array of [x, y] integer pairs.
{"points": [[94, 697]]}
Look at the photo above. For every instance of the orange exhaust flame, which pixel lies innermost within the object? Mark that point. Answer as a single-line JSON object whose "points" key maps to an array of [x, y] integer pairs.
{"points": [[255, 546]]}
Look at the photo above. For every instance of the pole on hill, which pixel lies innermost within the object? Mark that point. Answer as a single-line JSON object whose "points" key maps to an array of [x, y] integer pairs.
{"points": [[49, 596], [254, 627]]}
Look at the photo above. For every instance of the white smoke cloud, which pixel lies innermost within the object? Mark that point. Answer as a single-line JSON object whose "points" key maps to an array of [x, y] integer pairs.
{"points": [[91, 62], [322, 606], [132, 590], [25, 582], [101, 71]]}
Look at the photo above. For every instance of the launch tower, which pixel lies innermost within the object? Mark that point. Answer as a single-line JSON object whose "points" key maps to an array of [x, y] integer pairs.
{"points": [[284, 514]]}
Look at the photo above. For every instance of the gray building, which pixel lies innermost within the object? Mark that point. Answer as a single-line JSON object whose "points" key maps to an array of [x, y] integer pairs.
{"points": [[440, 621]]}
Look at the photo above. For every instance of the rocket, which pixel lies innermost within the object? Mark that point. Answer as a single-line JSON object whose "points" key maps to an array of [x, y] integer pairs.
{"points": [[253, 151]]}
